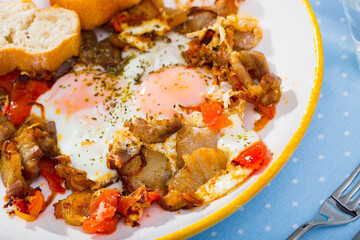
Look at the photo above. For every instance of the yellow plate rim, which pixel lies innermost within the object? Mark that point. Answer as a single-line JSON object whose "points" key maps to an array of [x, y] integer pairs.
{"points": [[282, 159]]}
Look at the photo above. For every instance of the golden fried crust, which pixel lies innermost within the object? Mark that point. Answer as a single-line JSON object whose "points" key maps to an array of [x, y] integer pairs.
{"points": [[94, 13], [17, 55], [13, 58]]}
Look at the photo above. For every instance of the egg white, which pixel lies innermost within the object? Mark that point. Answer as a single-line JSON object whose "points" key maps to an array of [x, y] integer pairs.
{"points": [[233, 140], [86, 137], [87, 140]]}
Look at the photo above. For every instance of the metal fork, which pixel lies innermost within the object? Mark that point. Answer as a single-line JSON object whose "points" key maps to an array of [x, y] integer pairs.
{"points": [[337, 209]]}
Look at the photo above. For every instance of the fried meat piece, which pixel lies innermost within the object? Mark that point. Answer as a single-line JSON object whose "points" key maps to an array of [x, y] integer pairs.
{"points": [[190, 139], [255, 64], [156, 131], [103, 53], [30, 152], [6, 129], [226, 7], [10, 169], [149, 168], [147, 9], [75, 179], [199, 167], [45, 135], [198, 19], [252, 72], [35, 139]]}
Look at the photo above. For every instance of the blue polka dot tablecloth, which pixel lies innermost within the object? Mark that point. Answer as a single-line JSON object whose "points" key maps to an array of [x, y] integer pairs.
{"points": [[328, 153]]}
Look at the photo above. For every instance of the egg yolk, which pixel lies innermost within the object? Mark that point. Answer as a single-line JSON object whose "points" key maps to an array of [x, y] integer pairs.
{"points": [[73, 93], [85, 95], [161, 91]]}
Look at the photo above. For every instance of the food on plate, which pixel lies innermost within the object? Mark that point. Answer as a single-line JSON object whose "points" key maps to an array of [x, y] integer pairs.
{"points": [[93, 13], [36, 40], [150, 112]]}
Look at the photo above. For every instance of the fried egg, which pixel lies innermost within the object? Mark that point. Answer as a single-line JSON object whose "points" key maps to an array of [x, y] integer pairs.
{"points": [[89, 105], [233, 140]]}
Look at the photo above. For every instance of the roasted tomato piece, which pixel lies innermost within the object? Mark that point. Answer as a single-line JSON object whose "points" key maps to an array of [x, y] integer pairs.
{"points": [[47, 169], [253, 157], [30, 207], [212, 115], [131, 207], [22, 95], [102, 217], [7, 80]]}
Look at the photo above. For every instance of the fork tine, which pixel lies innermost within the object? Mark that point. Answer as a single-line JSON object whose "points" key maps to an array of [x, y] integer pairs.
{"points": [[355, 204], [351, 193], [341, 189]]}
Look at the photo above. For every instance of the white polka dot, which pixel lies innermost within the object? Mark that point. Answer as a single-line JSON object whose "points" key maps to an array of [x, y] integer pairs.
{"points": [[213, 234], [295, 226], [321, 157], [294, 181], [346, 133], [342, 19], [321, 179], [346, 114], [344, 75], [268, 205], [267, 228], [241, 209], [295, 159], [345, 93], [320, 115], [322, 201], [240, 231], [321, 136], [343, 38], [295, 204], [347, 154], [317, 3], [344, 56]]}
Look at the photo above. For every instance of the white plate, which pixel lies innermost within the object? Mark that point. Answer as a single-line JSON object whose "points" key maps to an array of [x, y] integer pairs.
{"points": [[292, 45]]}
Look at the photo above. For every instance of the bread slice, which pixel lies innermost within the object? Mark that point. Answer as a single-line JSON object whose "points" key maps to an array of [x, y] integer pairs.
{"points": [[94, 13], [36, 40]]}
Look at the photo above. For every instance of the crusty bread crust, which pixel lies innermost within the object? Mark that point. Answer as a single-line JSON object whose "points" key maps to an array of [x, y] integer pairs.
{"points": [[28, 58], [94, 13]]}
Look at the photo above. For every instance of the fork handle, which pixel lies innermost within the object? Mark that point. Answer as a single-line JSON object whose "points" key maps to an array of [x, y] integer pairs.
{"points": [[302, 230]]}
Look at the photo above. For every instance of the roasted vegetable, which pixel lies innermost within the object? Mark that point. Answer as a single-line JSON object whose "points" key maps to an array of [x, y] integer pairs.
{"points": [[74, 208], [131, 207], [24, 92], [47, 169], [102, 218], [29, 207]]}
